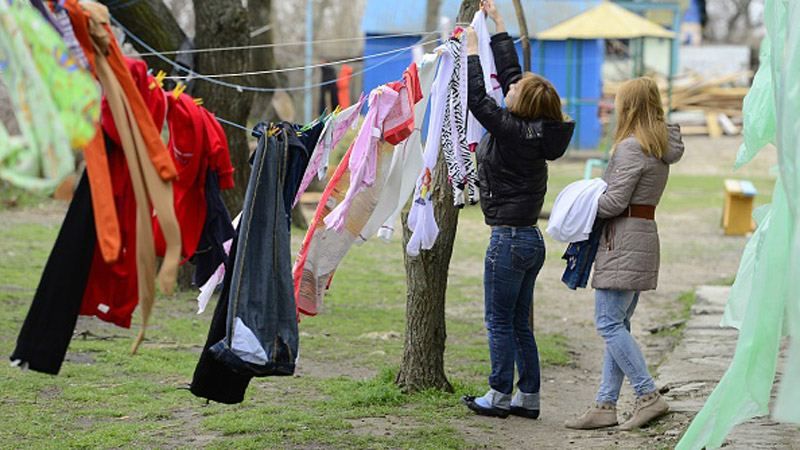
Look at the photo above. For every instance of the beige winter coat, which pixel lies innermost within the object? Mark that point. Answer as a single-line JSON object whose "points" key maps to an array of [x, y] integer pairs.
{"points": [[628, 255]]}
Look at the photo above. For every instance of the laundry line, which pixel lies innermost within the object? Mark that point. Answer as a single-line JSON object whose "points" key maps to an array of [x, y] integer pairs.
{"points": [[312, 66], [287, 44], [192, 75]]}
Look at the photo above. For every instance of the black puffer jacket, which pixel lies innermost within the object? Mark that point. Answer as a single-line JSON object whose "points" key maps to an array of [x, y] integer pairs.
{"points": [[512, 166]]}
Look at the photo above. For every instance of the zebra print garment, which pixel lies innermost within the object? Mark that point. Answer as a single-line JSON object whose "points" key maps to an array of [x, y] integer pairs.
{"points": [[460, 165]]}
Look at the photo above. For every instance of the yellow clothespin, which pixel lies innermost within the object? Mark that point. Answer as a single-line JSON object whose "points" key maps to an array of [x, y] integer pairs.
{"points": [[159, 80], [178, 90], [337, 110], [198, 101], [273, 130]]}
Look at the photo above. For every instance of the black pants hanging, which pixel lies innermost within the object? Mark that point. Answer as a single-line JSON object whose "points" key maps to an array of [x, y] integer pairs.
{"points": [[212, 379], [47, 330]]}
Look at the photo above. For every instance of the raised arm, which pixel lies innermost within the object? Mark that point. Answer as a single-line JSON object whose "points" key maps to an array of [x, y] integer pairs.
{"points": [[505, 53], [484, 108]]}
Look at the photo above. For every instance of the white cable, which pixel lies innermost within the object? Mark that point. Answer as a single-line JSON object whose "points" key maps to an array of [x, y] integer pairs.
{"points": [[283, 44], [313, 66], [237, 87]]}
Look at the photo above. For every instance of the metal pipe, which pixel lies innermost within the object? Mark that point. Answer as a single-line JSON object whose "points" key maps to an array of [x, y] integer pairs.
{"points": [[309, 57]]}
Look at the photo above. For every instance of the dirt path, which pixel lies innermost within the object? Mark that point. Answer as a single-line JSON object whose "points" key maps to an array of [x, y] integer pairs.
{"points": [[694, 252]]}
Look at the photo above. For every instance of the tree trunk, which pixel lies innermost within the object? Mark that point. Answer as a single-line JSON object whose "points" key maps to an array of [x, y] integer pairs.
{"points": [[225, 23], [431, 21], [153, 22], [422, 366], [523, 34], [262, 58]]}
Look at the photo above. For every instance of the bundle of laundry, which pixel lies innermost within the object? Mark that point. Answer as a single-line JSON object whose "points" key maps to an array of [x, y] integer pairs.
{"points": [[573, 220]]}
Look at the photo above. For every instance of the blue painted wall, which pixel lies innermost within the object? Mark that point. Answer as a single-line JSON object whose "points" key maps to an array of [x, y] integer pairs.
{"points": [[387, 68], [575, 68]]}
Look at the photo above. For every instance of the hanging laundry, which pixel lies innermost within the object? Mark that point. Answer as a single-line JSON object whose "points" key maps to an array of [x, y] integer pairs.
{"points": [[47, 331], [217, 231], [332, 132], [217, 375], [46, 85], [362, 163], [212, 379], [421, 220], [112, 291], [46, 15], [460, 164], [474, 129], [197, 145], [324, 246], [262, 327], [406, 159]]}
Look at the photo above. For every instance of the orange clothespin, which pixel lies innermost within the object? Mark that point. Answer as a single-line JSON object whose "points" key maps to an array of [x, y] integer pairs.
{"points": [[198, 101], [178, 90], [158, 81]]}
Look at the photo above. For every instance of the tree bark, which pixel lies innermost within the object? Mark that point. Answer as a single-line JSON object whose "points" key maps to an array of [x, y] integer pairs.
{"points": [[153, 22], [422, 366], [225, 23], [523, 34], [431, 21]]}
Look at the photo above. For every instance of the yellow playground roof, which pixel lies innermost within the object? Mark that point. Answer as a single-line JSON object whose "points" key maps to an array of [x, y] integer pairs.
{"points": [[605, 21]]}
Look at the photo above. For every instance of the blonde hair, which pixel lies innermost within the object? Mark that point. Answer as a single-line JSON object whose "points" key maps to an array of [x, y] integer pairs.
{"points": [[640, 113], [536, 98]]}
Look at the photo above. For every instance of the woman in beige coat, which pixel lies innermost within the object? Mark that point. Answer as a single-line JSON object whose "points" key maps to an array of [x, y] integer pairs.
{"points": [[628, 256]]}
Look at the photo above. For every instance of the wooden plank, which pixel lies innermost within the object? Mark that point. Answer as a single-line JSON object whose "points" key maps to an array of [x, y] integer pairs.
{"points": [[712, 122]]}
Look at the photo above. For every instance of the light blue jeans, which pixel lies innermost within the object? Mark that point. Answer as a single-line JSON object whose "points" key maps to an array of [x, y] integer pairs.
{"points": [[613, 311]]}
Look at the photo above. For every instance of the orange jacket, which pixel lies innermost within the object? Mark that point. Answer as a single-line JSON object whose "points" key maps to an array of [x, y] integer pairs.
{"points": [[106, 220]]}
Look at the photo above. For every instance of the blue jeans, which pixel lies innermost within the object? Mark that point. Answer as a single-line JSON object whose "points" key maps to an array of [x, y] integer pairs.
{"points": [[513, 260], [613, 311]]}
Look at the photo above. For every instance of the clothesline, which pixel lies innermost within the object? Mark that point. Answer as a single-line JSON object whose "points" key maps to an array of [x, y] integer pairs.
{"points": [[288, 44], [234, 124], [240, 88], [312, 66]]}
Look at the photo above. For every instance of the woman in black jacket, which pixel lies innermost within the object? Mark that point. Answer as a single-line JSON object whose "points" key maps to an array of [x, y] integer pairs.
{"points": [[512, 170]]}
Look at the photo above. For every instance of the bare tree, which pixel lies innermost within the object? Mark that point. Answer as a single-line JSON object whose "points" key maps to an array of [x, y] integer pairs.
{"points": [[422, 366], [153, 22], [226, 23], [734, 21]]}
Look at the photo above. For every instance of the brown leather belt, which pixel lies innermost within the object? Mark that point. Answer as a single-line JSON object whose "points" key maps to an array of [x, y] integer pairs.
{"points": [[640, 211]]}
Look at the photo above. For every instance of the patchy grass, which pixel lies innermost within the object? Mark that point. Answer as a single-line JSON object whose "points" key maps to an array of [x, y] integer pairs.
{"points": [[12, 197], [343, 396]]}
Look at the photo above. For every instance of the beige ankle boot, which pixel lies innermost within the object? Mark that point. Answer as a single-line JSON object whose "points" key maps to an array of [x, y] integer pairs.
{"points": [[601, 415], [648, 407]]}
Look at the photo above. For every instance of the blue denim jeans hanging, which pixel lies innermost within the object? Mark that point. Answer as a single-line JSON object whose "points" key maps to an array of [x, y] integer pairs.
{"points": [[262, 337]]}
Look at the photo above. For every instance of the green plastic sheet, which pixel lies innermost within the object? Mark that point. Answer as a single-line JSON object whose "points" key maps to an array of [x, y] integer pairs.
{"points": [[57, 103], [765, 299]]}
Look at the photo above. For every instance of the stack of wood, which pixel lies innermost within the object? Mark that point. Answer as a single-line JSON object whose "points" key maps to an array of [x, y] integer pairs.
{"points": [[702, 106]]}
